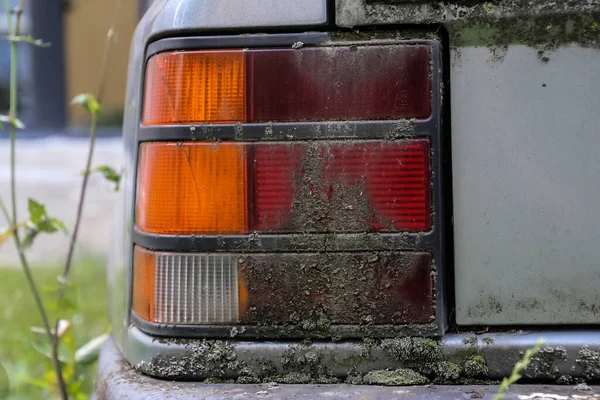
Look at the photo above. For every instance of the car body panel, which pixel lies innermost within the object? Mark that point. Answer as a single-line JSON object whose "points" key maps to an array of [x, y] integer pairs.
{"points": [[524, 79]]}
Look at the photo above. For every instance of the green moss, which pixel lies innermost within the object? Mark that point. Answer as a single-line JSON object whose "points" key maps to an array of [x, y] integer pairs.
{"points": [[447, 371], [292, 378], [398, 377], [354, 378], [413, 350], [475, 367]]}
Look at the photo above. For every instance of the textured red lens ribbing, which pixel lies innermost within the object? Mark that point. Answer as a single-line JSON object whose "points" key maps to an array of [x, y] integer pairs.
{"points": [[396, 179], [274, 168], [328, 186]]}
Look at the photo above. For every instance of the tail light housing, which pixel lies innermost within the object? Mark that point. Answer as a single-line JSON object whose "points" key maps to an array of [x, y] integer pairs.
{"points": [[202, 203]]}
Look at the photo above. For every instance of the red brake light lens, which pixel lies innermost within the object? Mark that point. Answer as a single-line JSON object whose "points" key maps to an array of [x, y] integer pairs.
{"points": [[338, 186], [340, 83]]}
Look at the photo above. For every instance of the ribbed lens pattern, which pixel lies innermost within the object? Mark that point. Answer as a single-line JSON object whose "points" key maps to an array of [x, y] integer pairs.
{"points": [[196, 289]]}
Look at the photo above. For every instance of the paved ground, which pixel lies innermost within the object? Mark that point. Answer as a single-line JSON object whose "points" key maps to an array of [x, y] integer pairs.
{"points": [[49, 170]]}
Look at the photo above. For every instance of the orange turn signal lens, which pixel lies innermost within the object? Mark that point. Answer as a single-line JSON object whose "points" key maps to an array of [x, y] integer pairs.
{"points": [[192, 188], [143, 283], [195, 87]]}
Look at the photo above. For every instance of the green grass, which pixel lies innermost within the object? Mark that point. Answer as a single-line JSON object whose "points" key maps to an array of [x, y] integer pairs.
{"points": [[18, 343]]}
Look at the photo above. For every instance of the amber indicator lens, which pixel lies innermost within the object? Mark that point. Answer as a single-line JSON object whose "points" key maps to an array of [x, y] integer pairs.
{"points": [[192, 188], [378, 82], [274, 289], [196, 86]]}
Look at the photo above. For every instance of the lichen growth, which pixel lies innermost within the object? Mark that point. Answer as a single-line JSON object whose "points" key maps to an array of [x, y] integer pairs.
{"points": [[446, 372], [215, 359], [414, 350], [354, 378], [589, 361], [544, 365], [475, 367], [398, 377], [488, 341], [410, 360]]}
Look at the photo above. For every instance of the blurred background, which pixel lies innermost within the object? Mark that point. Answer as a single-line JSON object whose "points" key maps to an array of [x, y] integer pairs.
{"points": [[52, 148], [51, 154]]}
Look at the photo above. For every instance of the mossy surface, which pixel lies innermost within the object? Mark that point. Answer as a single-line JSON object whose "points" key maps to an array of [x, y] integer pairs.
{"points": [[494, 23], [398, 377], [405, 361], [475, 367]]}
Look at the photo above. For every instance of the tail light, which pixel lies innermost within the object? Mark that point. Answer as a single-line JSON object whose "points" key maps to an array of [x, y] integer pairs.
{"points": [[236, 188], [364, 82], [278, 187]]}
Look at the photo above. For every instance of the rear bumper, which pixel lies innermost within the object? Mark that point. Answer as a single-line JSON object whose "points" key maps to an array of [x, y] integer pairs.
{"points": [[566, 357], [117, 379]]}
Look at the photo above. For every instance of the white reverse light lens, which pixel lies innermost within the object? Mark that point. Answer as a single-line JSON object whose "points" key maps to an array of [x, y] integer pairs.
{"points": [[196, 289]]}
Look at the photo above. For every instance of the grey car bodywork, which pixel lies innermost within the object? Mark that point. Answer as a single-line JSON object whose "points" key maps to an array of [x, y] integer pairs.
{"points": [[524, 77]]}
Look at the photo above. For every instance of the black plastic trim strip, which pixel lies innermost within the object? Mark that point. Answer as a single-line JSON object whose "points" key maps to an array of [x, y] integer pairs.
{"points": [[289, 131], [288, 243], [237, 41], [283, 332]]}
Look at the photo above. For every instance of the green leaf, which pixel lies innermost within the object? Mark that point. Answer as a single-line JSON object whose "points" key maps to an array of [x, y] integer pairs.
{"points": [[14, 122], [62, 306], [37, 211], [89, 351], [66, 305], [40, 222], [110, 175], [88, 102]]}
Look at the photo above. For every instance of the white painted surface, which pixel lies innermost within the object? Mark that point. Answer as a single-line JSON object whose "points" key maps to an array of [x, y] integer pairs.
{"points": [[526, 171]]}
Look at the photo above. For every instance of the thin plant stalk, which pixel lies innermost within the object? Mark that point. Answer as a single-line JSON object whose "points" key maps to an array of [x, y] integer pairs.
{"points": [[93, 128], [14, 32]]}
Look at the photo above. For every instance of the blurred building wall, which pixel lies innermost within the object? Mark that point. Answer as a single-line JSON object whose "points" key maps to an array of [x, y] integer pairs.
{"points": [[86, 24]]}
